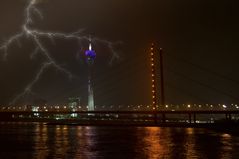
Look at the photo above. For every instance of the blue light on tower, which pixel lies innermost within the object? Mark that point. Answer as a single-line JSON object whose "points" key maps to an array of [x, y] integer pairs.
{"points": [[90, 54]]}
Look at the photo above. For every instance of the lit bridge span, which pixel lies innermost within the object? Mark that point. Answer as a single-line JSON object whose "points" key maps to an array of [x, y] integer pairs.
{"points": [[179, 117]]}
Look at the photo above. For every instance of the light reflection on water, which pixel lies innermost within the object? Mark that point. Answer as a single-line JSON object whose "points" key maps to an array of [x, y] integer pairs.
{"points": [[34, 140]]}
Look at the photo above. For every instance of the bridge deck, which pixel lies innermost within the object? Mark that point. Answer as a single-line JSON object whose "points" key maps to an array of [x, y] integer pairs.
{"points": [[129, 112]]}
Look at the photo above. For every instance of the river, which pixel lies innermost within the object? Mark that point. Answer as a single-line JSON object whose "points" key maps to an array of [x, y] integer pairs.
{"points": [[39, 141]]}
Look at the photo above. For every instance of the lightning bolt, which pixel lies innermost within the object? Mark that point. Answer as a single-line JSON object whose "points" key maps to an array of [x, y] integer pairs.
{"points": [[28, 89], [35, 35]]}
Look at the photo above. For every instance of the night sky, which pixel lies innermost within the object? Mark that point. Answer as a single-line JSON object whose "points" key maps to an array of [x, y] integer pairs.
{"points": [[200, 40]]}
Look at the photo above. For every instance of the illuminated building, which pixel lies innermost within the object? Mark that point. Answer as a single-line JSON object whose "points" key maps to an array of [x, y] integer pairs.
{"points": [[90, 55], [73, 103]]}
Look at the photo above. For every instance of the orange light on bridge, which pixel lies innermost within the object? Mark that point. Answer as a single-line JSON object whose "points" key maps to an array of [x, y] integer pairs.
{"points": [[154, 99]]}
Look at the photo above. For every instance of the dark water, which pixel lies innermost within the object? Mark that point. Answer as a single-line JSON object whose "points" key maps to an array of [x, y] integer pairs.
{"points": [[34, 140]]}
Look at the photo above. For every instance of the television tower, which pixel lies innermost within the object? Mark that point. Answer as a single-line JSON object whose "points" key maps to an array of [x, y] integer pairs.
{"points": [[90, 55]]}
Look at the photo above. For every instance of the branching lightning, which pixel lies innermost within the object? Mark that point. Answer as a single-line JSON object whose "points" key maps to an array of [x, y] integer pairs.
{"points": [[36, 35]]}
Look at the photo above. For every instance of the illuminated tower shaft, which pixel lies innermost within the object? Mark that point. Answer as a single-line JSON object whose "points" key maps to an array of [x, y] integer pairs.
{"points": [[154, 64], [153, 78], [90, 54], [91, 106]]}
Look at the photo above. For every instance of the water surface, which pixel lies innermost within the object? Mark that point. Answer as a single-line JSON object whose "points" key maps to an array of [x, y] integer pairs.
{"points": [[39, 141]]}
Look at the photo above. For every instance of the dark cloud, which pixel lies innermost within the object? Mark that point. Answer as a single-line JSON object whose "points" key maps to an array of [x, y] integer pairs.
{"points": [[199, 38]]}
